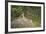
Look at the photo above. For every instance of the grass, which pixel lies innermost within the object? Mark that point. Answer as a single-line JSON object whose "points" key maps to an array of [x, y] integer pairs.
{"points": [[36, 21]]}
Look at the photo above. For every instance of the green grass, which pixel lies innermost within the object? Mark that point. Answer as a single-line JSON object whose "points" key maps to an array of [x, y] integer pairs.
{"points": [[36, 21]]}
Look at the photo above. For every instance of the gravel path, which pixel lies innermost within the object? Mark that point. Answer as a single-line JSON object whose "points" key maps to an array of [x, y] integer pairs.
{"points": [[21, 22]]}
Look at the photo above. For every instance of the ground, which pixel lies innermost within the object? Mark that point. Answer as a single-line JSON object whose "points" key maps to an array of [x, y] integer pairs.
{"points": [[21, 22]]}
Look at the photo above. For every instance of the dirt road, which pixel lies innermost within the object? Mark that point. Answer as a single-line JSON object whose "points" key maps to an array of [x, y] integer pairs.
{"points": [[21, 22]]}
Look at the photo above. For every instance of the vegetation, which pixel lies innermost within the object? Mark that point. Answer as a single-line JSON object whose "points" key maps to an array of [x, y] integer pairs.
{"points": [[30, 12]]}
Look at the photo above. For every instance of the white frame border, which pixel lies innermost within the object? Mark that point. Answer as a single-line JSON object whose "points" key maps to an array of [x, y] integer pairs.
{"points": [[23, 29]]}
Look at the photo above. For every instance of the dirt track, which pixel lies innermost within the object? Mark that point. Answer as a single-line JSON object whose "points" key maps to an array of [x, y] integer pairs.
{"points": [[21, 22]]}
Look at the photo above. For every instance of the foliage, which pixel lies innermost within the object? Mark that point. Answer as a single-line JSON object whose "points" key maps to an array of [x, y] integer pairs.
{"points": [[30, 12]]}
